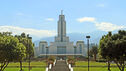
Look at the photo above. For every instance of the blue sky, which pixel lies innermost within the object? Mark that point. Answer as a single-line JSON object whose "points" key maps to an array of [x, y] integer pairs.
{"points": [[82, 16]]}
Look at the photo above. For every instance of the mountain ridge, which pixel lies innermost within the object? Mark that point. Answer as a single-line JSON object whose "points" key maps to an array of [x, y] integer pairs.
{"points": [[74, 37]]}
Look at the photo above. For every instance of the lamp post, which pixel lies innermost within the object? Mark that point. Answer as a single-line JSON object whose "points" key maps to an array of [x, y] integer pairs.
{"points": [[29, 38], [88, 37], [46, 56]]}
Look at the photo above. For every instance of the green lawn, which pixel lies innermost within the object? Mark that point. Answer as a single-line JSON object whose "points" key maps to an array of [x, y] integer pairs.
{"points": [[95, 69], [25, 69], [92, 63], [85, 63], [39, 63], [78, 63]]}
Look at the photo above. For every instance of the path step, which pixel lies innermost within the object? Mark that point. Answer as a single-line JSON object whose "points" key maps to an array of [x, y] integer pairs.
{"points": [[60, 66]]}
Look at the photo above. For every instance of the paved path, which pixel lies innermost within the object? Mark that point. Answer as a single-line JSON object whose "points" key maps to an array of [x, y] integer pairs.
{"points": [[60, 66]]}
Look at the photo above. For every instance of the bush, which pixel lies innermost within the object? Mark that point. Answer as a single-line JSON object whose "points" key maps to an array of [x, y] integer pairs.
{"points": [[101, 60], [51, 59], [71, 60]]}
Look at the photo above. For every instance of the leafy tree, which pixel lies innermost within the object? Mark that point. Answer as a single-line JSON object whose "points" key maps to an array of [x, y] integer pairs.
{"points": [[112, 47], [90, 53], [119, 49], [28, 46], [105, 48], [94, 51], [27, 42], [10, 50], [21, 54]]}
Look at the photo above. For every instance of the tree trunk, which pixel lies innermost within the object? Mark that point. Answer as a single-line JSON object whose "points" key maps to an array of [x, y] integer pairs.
{"points": [[122, 68], [4, 66], [109, 66], [1, 68], [95, 57], [20, 65]]}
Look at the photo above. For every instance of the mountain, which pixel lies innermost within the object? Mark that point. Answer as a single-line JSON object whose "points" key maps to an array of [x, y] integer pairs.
{"points": [[95, 37]]}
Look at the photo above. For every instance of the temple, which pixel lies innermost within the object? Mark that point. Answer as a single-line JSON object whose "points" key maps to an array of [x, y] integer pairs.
{"points": [[61, 46]]}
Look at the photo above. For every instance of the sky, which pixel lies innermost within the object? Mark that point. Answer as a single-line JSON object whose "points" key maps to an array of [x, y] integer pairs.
{"points": [[39, 17]]}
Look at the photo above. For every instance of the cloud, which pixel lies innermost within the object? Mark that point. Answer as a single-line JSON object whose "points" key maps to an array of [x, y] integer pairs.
{"points": [[86, 19], [33, 32], [101, 5], [20, 14], [49, 19], [105, 26]]}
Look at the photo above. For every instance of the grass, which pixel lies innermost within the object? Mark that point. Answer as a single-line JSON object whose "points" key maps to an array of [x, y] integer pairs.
{"points": [[92, 63], [25, 69], [78, 63], [95, 69], [34, 63], [38, 63]]}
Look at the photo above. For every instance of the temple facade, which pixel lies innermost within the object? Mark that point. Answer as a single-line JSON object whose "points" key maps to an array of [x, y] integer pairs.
{"points": [[61, 45]]}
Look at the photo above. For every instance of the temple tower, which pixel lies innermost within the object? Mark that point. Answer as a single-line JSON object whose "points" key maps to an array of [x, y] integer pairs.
{"points": [[61, 37]]}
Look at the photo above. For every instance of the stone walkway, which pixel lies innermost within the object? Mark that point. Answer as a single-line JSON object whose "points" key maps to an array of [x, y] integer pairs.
{"points": [[60, 66]]}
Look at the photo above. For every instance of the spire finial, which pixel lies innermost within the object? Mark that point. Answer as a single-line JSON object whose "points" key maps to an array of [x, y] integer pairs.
{"points": [[61, 12]]}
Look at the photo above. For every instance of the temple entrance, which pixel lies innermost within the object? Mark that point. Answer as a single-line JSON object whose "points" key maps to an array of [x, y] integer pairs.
{"points": [[61, 57], [61, 49]]}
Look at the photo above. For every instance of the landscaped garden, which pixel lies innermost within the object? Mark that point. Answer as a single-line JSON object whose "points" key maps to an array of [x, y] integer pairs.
{"points": [[35, 66], [33, 63], [110, 55], [94, 66]]}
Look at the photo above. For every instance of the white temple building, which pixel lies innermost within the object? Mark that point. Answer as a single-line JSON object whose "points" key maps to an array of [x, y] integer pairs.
{"points": [[61, 46]]}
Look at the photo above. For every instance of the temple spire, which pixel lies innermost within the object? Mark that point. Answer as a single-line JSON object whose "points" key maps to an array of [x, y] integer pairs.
{"points": [[61, 12]]}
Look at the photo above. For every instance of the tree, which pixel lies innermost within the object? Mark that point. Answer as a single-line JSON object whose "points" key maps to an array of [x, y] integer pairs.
{"points": [[90, 53], [119, 52], [10, 50], [27, 43], [94, 51], [21, 54], [28, 46], [105, 48], [113, 47]]}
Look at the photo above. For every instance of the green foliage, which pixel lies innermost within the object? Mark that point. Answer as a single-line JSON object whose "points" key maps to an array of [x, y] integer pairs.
{"points": [[71, 60], [51, 58], [101, 60], [21, 52], [27, 42], [10, 50], [14, 49], [94, 51], [113, 47]]}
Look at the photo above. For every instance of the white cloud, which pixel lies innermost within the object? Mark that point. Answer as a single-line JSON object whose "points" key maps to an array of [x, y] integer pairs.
{"points": [[101, 5], [86, 19], [32, 32], [20, 14], [105, 26], [49, 19]]}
